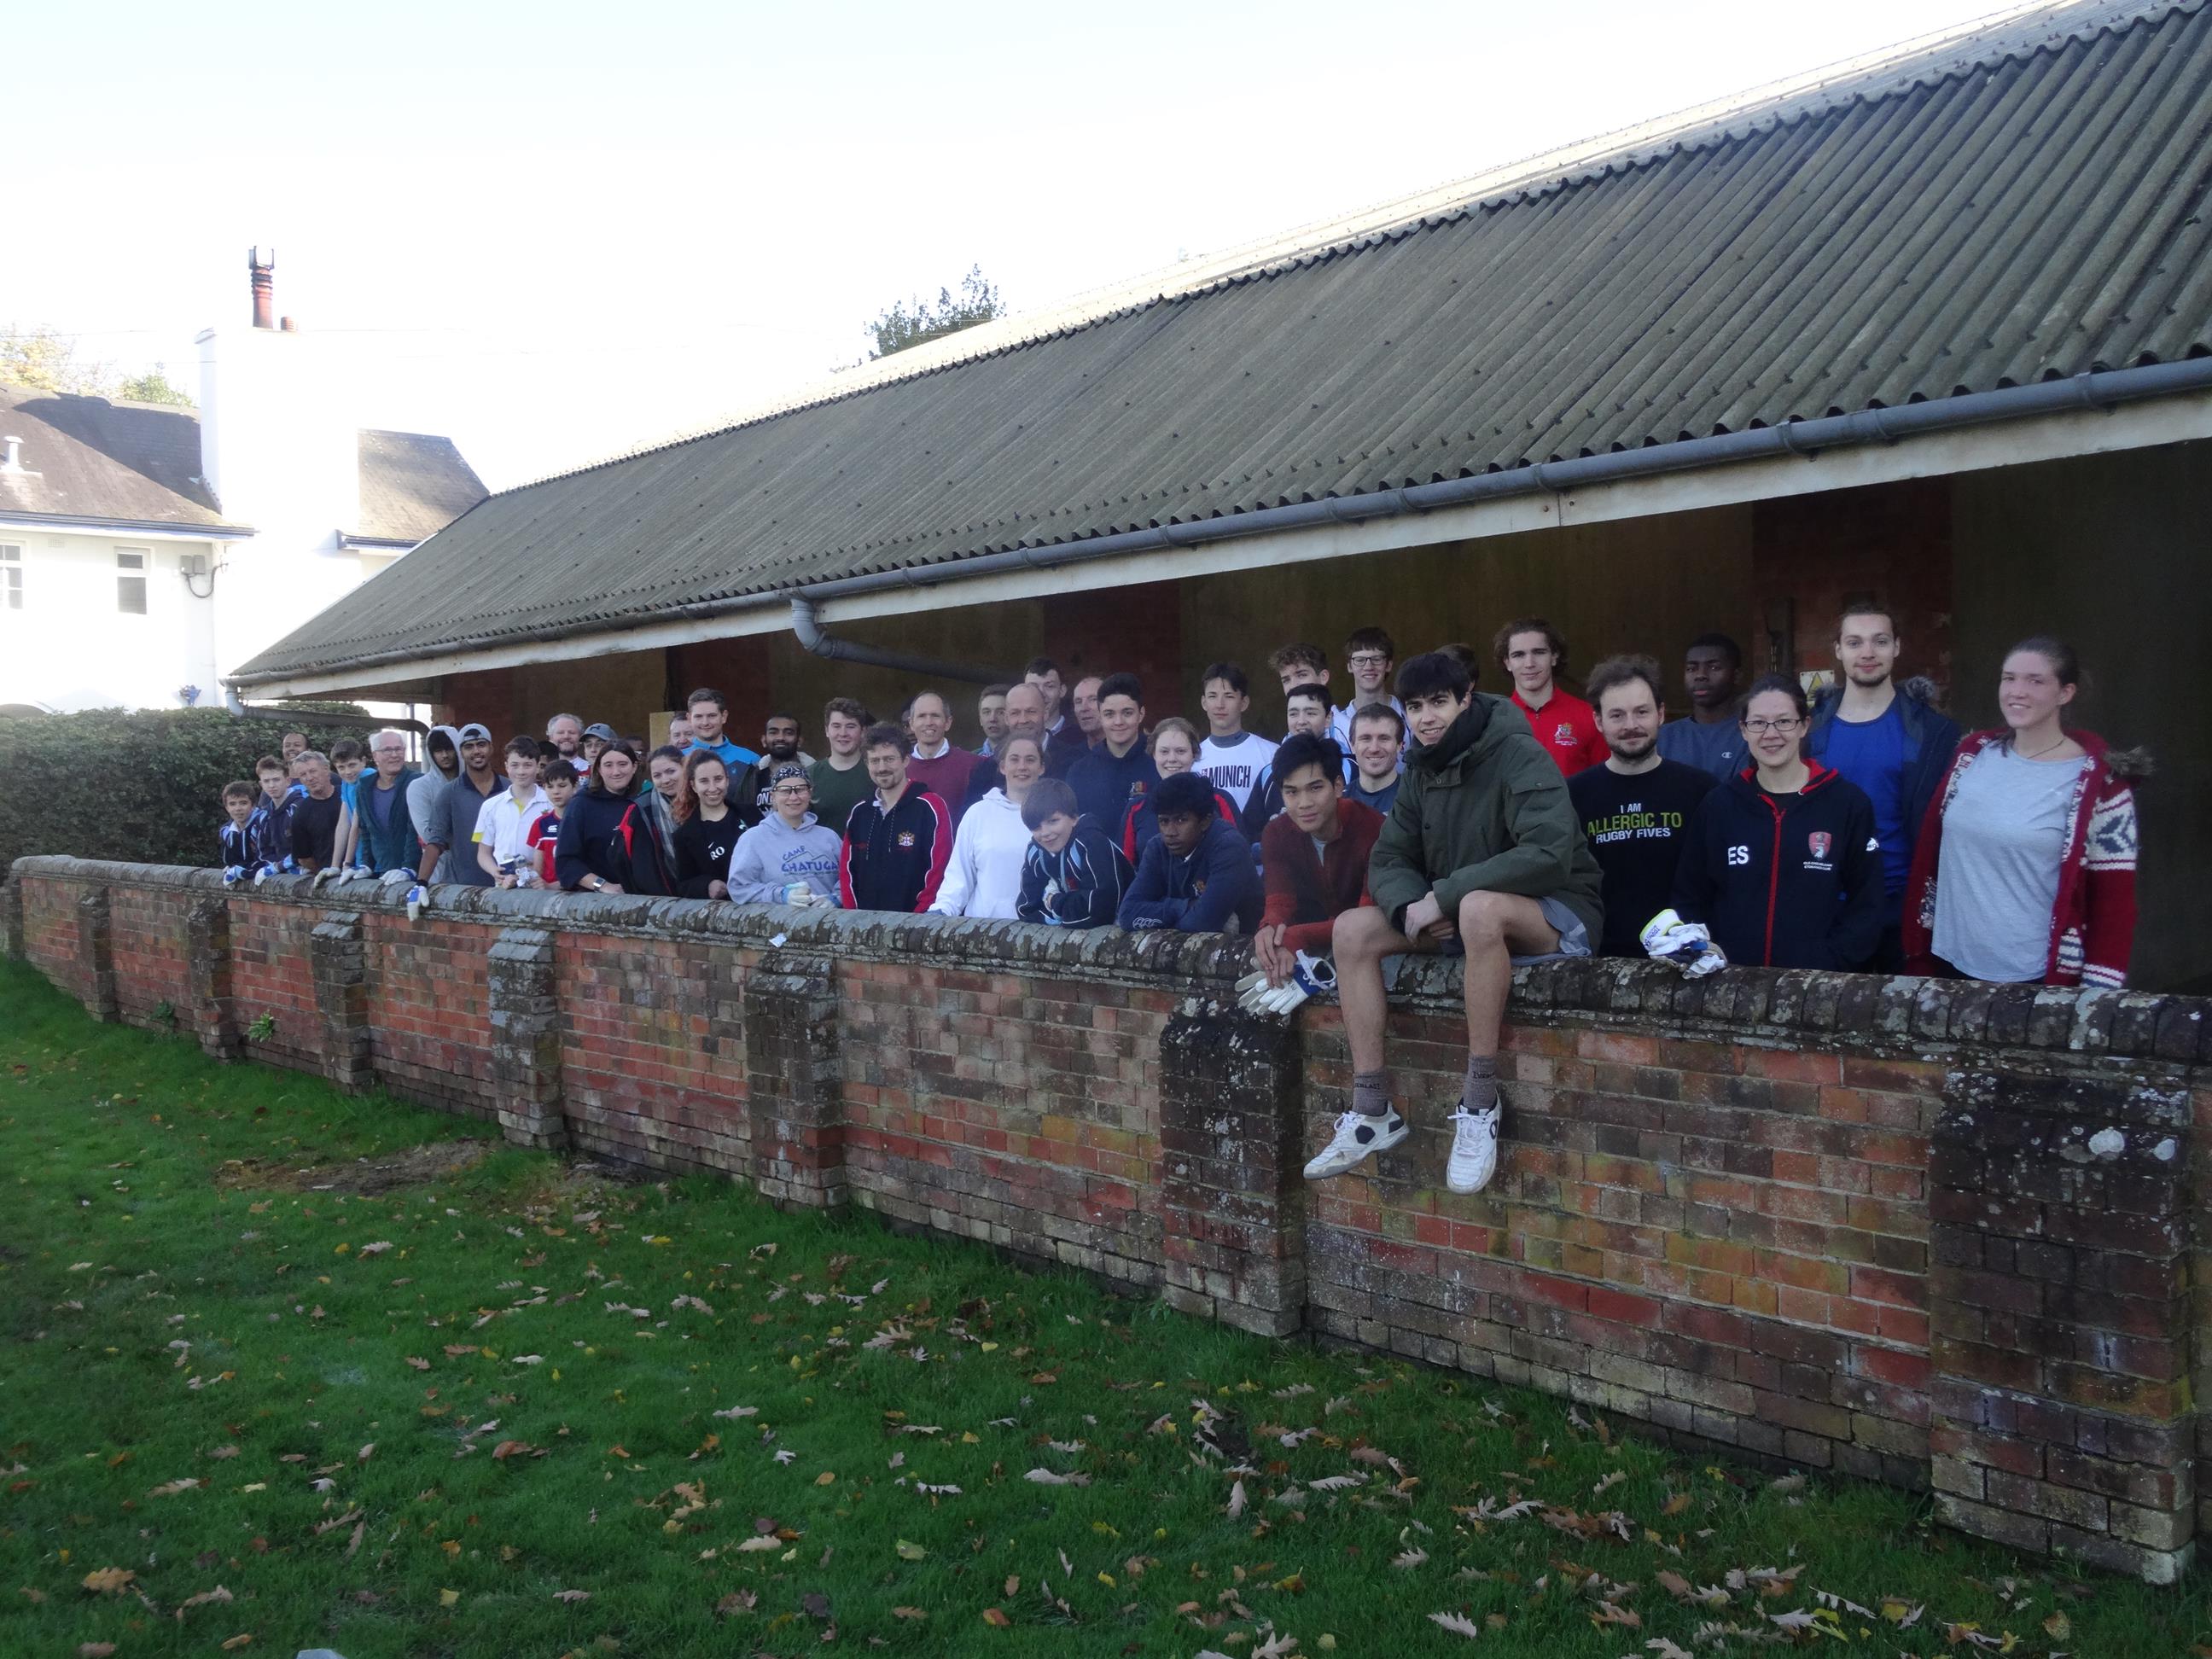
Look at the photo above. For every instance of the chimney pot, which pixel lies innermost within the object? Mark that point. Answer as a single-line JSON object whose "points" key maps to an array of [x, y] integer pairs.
{"points": [[290, 327], [263, 272], [15, 461]]}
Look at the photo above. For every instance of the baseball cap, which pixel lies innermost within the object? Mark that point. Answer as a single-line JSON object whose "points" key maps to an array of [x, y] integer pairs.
{"points": [[473, 733], [602, 731]]}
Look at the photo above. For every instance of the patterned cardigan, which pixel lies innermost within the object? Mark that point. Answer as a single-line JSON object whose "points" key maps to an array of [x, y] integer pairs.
{"points": [[2093, 924]]}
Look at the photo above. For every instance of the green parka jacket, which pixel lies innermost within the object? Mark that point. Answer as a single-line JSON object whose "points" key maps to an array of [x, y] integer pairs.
{"points": [[1485, 809]]}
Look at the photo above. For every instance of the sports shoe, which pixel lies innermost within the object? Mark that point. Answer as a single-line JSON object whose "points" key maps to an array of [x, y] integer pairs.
{"points": [[1358, 1134], [1473, 1158]]}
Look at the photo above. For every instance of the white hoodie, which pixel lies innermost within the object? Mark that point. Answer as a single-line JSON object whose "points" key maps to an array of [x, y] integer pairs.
{"points": [[984, 878]]}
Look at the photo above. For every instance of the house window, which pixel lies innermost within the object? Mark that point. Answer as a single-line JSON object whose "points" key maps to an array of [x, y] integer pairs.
{"points": [[129, 582], [11, 577]]}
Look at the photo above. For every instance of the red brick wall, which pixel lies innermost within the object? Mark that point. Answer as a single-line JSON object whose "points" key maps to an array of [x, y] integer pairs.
{"points": [[152, 955], [1831, 1220], [429, 1010]]}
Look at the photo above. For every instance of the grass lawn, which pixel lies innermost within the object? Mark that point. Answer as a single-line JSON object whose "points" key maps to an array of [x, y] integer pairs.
{"points": [[255, 1397]]}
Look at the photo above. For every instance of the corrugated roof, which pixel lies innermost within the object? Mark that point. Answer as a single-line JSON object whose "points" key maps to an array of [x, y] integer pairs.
{"points": [[1952, 224], [412, 485], [86, 458]]}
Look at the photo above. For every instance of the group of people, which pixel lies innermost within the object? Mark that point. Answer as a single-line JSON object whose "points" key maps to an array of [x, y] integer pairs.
{"points": [[1417, 816]]}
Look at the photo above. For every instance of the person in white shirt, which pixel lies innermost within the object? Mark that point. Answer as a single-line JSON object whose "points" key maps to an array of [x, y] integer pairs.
{"points": [[1231, 757], [503, 823], [984, 878], [1370, 654]]}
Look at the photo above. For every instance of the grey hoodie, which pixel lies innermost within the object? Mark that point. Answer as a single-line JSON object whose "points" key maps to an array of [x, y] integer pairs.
{"points": [[423, 794], [771, 856]]}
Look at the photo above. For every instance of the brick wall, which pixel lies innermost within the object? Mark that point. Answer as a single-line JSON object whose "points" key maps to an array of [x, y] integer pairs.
{"points": [[1935, 1234]]}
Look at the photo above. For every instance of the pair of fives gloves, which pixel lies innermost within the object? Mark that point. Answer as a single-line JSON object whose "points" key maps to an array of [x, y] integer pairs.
{"points": [[1668, 938], [1310, 976]]}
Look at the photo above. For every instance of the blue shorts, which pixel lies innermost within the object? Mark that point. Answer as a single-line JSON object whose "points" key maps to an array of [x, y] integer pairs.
{"points": [[1574, 937]]}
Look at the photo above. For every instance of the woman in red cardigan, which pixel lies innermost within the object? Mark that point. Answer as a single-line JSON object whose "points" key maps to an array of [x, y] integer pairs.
{"points": [[2024, 869]]}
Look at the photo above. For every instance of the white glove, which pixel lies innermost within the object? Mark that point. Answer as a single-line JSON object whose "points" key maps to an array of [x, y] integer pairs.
{"points": [[328, 873], [1310, 976], [418, 896], [395, 878], [800, 895], [1687, 945], [232, 874]]}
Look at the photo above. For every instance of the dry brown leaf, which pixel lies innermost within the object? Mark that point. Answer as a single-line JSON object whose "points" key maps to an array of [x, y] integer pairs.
{"points": [[203, 1599], [221, 1452], [908, 1613], [94, 1650], [827, 1478], [106, 1581], [1675, 1505], [1607, 1614], [1013, 1584], [572, 1596], [735, 1602], [171, 1488], [507, 1449], [418, 1361], [1237, 1500], [1457, 1624], [364, 1453], [993, 1616], [243, 1639]]}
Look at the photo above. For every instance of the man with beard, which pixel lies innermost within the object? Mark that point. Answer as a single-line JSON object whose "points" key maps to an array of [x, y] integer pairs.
{"points": [[1889, 740], [565, 733], [779, 748], [1634, 808]]}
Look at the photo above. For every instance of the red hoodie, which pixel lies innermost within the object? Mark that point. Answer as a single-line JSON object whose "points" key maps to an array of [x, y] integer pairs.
{"points": [[1306, 894]]}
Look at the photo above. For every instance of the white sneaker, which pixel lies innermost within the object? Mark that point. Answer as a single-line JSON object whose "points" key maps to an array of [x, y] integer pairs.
{"points": [[1358, 1135], [1473, 1158]]}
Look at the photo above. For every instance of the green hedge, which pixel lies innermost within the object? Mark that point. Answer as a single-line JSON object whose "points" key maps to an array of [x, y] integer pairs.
{"points": [[146, 785]]}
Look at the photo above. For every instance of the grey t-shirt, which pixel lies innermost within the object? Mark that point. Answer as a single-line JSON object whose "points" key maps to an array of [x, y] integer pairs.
{"points": [[454, 821], [2004, 839], [1717, 748]]}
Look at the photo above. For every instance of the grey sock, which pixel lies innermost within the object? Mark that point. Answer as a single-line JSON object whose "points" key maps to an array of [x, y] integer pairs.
{"points": [[1481, 1082], [1371, 1093]]}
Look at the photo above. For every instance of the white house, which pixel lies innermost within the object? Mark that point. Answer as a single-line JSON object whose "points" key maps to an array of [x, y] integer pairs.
{"points": [[146, 550]]}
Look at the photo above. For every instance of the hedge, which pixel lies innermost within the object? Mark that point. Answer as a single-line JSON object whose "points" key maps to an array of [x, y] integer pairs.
{"points": [[146, 785]]}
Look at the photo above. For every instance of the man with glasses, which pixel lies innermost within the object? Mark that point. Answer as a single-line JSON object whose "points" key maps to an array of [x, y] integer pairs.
{"points": [[386, 846], [1370, 656], [1890, 740]]}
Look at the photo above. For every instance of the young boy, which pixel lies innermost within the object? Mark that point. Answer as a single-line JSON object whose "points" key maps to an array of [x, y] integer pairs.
{"points": [[559, 781], [502, 839], [1120, 768], [271, 822], [1531, 651], [1306, 706], [1231, 757], [348, 758], [841, 777], [1198, 878], [1481, 856], [1300, 664], [1072, 875], [1370, 654], [236, 837], [899, 839], [1314, 858], [1379, 749]]}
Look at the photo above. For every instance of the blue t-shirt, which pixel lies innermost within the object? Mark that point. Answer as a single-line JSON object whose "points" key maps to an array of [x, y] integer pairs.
{"points": [[1871, 754], [733, 755], [1716, 747]]}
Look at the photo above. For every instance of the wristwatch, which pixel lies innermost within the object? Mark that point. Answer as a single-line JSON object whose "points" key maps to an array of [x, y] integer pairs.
{"points": [[598, 882]]}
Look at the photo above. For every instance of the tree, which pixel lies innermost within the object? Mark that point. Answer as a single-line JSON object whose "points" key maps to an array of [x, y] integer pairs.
{"points": [[900, 327], [154, 386], [45, 361]]}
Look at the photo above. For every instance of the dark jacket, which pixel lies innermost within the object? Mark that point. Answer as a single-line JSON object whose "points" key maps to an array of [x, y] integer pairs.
{"points": [[1485, 810], [1306, 892], [1931, 738], [395, 846], [1080, 885], [237, 844], [1104, 786], [703, 851], [1060, 758], [1199, 892], [1789, 881], [896, 861], [270, 828], [609, 836], [1141, 824]]}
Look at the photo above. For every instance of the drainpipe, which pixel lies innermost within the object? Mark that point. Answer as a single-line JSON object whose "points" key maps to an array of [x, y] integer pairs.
{"points": [[807, 626]]}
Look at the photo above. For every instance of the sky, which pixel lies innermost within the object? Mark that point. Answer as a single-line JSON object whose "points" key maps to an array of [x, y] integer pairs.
{"points": [[554, 231]]}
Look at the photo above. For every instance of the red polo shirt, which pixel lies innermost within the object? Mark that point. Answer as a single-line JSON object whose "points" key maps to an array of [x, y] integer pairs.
{"points": [[1567, 727]]}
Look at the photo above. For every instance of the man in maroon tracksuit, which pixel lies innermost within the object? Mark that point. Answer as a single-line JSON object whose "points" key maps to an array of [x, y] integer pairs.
{"points": [[898, 841], [1313, 855]]}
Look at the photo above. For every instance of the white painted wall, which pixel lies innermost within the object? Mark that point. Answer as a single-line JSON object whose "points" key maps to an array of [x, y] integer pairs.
{"points": [[71, 647]]}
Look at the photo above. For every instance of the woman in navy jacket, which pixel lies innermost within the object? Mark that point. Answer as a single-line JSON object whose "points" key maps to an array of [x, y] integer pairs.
{"points": [[1781, 863], [608, 843]]}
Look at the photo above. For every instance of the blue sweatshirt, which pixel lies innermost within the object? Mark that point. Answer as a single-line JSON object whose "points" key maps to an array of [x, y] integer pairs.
{"points": [[1199, 892], [1079, 886], [1104, 786]]}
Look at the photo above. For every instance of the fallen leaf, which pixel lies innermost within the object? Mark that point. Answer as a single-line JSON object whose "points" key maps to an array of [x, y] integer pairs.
{"points": [[572, 1596], [244, 1639], [94, 1650], [825, 1479], [908, 1551], [364, 1453], [1051, 1477], [171, 1488], [993, 1616], [418, 1361], [108, 1580], [1457, 1624], [1237, 1500], [507, 1449], [735, 1602], [908, 1613], [221, 1452], [447, 1598], [204, 1598]]}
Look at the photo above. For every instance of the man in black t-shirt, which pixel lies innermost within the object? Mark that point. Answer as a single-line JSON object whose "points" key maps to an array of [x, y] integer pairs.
{"points": [[1634, 808], [314, 816]]}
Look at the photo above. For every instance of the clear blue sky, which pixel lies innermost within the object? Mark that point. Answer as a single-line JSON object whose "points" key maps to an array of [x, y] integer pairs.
{"points": [[551, 230]]}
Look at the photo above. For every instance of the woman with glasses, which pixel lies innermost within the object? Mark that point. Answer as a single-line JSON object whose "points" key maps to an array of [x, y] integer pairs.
{"points": [[609, 842], [788, 858], [1780, 863], [2025, 870]]}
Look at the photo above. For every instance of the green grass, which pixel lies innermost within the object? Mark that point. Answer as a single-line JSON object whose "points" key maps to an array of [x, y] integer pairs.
{"points": [[173, 1289]]}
